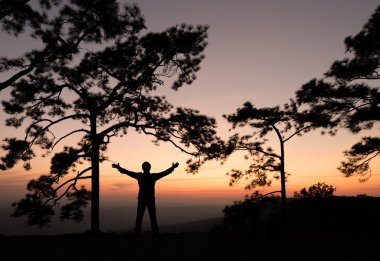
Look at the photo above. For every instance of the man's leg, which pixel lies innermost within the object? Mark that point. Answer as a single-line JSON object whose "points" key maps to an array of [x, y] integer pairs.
{"points": [[151, 204], [139, 216]]}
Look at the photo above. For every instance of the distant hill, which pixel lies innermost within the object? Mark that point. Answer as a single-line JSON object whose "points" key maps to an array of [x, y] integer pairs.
{"points": [[338, 215], [120, 219], [205, 225]]}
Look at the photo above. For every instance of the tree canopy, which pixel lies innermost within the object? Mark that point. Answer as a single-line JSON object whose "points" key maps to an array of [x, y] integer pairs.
{"points": [[104, 93], [349, 96], [61, 36]]}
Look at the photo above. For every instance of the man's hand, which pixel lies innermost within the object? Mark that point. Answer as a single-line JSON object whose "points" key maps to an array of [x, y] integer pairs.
{"points": [[116, 166], [174, 165]]}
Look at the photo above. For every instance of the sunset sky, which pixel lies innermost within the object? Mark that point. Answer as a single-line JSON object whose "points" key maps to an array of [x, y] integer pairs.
{"points": [[258, 51]]}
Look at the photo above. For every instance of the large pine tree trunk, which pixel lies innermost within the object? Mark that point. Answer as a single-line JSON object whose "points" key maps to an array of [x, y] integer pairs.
{"points": [[95, 226]]}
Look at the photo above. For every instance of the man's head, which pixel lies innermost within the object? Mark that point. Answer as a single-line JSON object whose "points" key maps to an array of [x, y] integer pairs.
{"points": [[146, 167]]}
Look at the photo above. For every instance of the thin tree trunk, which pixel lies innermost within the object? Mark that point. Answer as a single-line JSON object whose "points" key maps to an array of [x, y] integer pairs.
{"points": [[284, 214]]}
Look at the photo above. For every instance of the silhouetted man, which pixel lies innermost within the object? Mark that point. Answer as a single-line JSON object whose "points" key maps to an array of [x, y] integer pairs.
{"points": [[146, 197]]}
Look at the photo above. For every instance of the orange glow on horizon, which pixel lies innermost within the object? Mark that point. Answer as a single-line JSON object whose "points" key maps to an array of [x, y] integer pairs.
{"points": [[262, 58]]}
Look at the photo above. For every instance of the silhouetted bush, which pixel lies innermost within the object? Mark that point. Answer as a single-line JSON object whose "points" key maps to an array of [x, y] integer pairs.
{"points": [[256, 215], [319, 190]]}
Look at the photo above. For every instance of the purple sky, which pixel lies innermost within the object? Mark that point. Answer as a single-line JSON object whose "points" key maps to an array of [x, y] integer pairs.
{"points": [[259, 51]]}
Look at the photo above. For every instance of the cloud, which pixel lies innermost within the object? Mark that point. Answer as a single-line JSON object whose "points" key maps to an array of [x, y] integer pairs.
{"points": [[120, 185], [17, 177], [192, 178]]}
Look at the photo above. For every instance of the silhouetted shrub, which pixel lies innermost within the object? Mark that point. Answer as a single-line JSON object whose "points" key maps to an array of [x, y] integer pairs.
{"points": [[256, 215], [319, 190]]}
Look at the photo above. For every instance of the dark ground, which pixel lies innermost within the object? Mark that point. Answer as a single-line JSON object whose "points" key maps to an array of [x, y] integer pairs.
{"points": [[341, 228], [188, 246]]}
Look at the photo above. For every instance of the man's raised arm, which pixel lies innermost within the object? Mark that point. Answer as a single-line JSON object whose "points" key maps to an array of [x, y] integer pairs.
{"points": [[166, 172], [125, 171]]}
